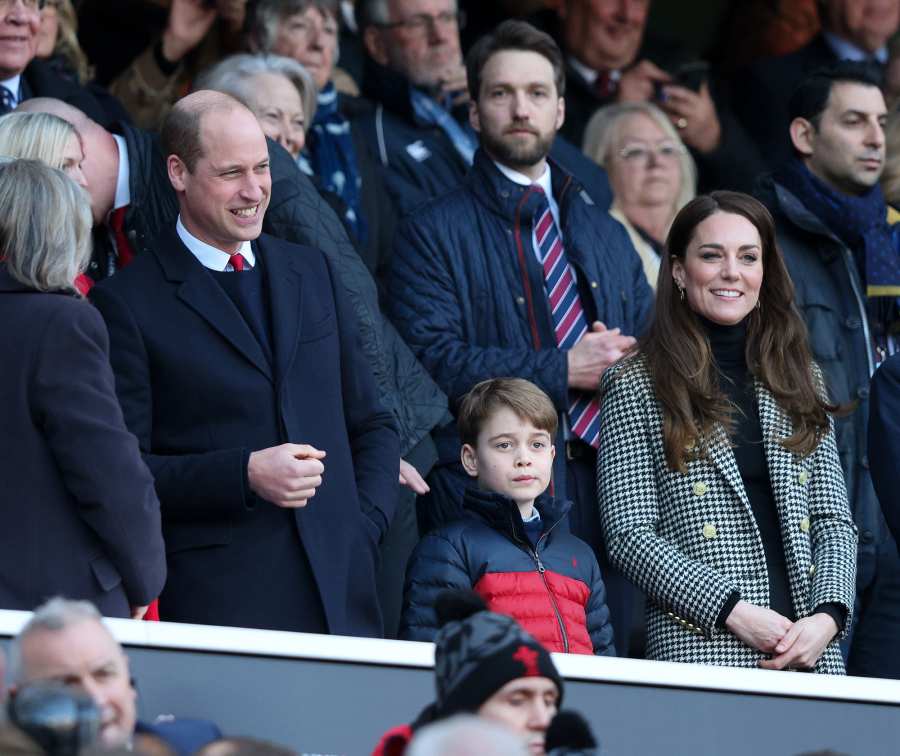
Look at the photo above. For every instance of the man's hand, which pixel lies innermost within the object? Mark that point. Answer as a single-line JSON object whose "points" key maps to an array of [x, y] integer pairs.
{"points": [[233, 13], [804, 643], [639, 83], [598, 349], [138, 612], [189, 22], [694, 115], [287, 475], [453, 82], [410, 478], [758, 627]]}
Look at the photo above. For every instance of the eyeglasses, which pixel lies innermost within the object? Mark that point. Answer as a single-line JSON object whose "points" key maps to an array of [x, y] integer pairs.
{"points": [[640, 154], [425, 24], [30, 5]]}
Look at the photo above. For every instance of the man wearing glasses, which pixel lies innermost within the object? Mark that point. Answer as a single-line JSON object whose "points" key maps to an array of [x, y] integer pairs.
{"points": [[22, 77], [419, 128]]}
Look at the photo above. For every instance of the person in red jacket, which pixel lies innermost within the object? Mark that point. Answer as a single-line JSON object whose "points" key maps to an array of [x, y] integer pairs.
{"points": [[513, 547]]}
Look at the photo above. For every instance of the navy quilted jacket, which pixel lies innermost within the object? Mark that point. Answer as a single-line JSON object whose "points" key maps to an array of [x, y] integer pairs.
{"points": [[554, 589]]}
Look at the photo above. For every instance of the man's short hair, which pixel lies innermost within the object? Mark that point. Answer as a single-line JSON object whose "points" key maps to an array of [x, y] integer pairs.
{"points": [[810, 98], [267, 15], [55, 615], [371, 13], [517, 394], [180, 133], [514, 35]]}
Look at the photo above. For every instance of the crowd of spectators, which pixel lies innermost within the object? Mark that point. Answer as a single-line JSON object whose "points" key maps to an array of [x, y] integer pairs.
{"points": [[316, 309]]}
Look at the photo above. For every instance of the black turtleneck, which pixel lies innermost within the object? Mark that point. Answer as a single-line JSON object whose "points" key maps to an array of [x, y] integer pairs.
{"points": [[728, 345]]}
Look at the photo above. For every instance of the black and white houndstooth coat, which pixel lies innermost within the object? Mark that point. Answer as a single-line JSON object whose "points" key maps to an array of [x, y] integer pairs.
{"points": [[689, 540]]}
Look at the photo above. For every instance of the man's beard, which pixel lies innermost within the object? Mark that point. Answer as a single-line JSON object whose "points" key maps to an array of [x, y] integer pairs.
{"points": [[517, 154]]}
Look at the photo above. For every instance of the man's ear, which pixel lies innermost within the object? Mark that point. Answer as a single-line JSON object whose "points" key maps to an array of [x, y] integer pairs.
{"points": [[803, 136], [474, 119], [560, 112], [469, 460], [375, 45], [176, 170], [552, 451]]}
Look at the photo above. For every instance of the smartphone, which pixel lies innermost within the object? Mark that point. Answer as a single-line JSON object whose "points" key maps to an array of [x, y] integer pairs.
{"points": [[692, 74]]}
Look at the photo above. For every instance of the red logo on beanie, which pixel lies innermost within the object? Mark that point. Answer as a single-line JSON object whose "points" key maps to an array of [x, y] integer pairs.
{"points": [[529, 659]]}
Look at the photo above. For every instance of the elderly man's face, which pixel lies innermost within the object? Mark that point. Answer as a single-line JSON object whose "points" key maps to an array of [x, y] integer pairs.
{"points": [[19, 23], [84, 655], [422, 43], [604, 34], [223, 200], [310, 38], [866, 23]]}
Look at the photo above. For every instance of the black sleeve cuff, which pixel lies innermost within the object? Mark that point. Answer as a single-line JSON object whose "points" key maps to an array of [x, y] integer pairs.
{"points": [[250, 499], [729, 604], [167, 67], [837, 612]]}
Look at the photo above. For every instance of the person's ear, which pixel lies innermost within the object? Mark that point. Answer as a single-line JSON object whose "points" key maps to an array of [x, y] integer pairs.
{"points": [[375, 45], [803, 136], [678, 272], [474, 119], [560, 112], [469, 460], [177, 170], [552, 451]]}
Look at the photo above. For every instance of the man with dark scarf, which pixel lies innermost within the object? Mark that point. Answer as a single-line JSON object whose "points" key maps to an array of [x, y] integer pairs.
{"points": [[831, 220]]}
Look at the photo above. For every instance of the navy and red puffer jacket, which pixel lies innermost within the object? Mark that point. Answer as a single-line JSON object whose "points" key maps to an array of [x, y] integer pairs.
{"points": [[554, 589]]}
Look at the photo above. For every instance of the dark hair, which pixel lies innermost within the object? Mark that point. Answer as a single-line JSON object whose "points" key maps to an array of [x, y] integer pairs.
{"points": [[810, 97], [678, 355], [514, 35], [519, 395]]}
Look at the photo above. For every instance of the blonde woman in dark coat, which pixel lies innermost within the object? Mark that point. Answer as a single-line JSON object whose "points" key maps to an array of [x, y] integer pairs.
{"points": [[720, 488]]}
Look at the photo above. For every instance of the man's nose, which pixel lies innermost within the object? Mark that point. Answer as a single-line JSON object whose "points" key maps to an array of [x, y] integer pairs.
{"points": [[541, 715]]}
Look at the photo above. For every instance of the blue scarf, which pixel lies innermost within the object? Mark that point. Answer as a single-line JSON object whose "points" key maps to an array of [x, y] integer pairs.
{"points": [[430, 113], [329, 154], [860, 222]]}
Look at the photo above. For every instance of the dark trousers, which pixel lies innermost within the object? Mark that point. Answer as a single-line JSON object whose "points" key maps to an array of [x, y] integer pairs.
{"points": [[399, 542], [875, 643], [584, 522]]}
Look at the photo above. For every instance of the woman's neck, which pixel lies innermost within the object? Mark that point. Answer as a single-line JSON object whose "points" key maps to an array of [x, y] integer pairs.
{"points": [[653, 219]]}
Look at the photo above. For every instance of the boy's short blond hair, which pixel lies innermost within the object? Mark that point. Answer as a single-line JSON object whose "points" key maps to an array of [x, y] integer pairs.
{"points": [[519, 395]]}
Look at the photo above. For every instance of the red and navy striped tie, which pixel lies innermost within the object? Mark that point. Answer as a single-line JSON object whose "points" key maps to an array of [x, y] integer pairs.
{"points": [[569, 322]]}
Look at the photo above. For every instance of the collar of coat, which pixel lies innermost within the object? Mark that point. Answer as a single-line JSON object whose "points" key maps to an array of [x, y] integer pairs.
{"points": [[502, 514]]}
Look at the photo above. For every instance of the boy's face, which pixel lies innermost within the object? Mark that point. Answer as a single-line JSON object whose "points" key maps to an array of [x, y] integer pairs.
{"points": [[512, 458]]}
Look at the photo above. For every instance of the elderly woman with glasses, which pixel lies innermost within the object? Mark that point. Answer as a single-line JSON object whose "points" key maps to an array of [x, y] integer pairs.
{"points": [[307, 31], [651, 173]]}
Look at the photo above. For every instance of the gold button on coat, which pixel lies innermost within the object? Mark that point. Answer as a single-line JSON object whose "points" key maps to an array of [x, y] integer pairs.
{"points": [[700, 488], [803, 477], [804, 524], [709, 531]]}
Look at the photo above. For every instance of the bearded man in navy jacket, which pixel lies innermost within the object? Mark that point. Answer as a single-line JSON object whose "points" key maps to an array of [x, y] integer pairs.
{"points": [[238, 369], [519, 273]]}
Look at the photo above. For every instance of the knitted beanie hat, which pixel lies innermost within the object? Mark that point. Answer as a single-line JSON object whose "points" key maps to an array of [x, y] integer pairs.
{"points": [[477, 652]]}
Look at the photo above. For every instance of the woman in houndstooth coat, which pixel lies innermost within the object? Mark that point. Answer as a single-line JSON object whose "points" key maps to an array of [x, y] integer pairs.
{"points": [[720, 488]]}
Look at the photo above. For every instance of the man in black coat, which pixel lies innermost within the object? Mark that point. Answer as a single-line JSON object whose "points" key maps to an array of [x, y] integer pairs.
{"points": [[238, 368], [851, 30], [884, 440]]}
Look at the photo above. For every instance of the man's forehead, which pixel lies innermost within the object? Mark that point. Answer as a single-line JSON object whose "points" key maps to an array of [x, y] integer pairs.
{"points": [[517, 67], [851, 95], [79, 647], [402, 8]]}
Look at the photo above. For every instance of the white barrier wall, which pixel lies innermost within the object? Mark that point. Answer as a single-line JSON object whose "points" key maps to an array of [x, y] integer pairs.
{"points": [[336, 695]]}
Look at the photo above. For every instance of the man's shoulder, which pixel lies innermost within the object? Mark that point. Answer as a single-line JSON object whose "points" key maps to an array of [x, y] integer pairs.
{"points": [[299, 256], [438, 211]]}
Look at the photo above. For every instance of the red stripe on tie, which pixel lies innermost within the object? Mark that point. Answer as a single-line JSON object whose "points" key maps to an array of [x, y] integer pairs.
{"points": [[543, 227]]}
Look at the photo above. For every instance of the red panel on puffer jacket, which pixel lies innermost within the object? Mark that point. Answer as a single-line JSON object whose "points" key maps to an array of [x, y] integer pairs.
{"points": [[524, 597]]}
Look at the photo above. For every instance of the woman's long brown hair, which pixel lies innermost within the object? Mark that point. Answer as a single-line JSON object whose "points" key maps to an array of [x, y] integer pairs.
{"points": [[678, 355]]}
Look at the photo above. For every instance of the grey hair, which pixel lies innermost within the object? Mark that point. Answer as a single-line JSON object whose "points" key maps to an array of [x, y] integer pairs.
{"points": [[53, 616], [604, 130], [372, 13], [267, 15], [45, 225], [232, 76], [465, 734], [36, 136]]}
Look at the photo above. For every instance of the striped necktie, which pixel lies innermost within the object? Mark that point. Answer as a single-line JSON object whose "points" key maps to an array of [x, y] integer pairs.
{"points": [[569, 323]]}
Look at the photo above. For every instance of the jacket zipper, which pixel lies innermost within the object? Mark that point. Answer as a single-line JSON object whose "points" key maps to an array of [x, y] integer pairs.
{"points": [[848, 262]]}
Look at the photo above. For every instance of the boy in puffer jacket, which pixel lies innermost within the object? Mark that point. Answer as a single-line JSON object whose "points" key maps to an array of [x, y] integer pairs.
{"points": [[512, 547]]}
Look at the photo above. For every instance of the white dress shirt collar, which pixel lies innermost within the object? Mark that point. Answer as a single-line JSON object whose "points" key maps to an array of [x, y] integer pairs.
{"points": [[123, 177], [847, 50], [13, 86], [209, 256]]}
